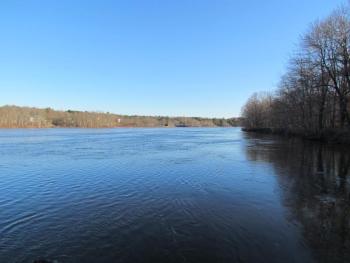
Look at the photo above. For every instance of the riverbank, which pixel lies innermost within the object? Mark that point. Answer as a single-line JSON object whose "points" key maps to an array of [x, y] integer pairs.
{"points": [[28, 117], [334, 136]]}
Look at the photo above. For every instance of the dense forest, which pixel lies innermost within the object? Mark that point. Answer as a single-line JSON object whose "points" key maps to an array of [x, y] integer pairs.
{"points": [[313, 95], [26, 117]]}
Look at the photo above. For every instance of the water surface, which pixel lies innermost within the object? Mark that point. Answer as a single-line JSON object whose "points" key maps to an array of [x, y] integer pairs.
{"points": [[171, 195]]}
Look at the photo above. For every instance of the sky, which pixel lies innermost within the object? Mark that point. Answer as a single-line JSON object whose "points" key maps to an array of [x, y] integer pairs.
{"points": [[148, 57]]}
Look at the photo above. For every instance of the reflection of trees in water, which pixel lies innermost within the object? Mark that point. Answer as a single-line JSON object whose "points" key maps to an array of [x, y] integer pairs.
{"points": [[315, 183]]}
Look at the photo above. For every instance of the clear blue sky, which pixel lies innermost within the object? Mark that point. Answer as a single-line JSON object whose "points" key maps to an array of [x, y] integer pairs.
{"points": [[179, 57]]}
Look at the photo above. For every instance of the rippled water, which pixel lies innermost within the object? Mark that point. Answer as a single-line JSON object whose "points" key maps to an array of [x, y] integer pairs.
{"points": [[171, 195]]}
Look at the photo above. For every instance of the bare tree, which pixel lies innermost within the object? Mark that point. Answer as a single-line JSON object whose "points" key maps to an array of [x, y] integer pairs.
{"points": [[313, 94]]}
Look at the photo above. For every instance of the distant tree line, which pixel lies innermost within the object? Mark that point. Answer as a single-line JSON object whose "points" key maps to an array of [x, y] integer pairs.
{"points": [[313, 95], [26, 117]]}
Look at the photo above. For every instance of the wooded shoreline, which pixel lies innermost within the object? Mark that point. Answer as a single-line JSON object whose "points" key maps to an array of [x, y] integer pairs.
{"points": [[28, 117], [312, 100], [333, 136]]}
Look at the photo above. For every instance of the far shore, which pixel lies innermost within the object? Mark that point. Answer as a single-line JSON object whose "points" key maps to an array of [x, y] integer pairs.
{"points": [[29, 117], [119, 127]]}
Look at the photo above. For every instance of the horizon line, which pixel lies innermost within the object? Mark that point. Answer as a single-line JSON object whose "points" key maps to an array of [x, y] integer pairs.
{"points": [[121, 114]]}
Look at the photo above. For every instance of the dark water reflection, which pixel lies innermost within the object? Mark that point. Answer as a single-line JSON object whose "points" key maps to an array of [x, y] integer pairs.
{"points": [[171, 195], [316, 189]]}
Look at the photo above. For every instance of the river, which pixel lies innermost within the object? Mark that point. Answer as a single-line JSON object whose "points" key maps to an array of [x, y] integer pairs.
{"points": [[171, 195]]}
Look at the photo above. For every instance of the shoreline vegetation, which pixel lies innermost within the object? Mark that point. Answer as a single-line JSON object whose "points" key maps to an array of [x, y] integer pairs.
{"points": [[334, 136], [28, 117], [312, 100]]}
